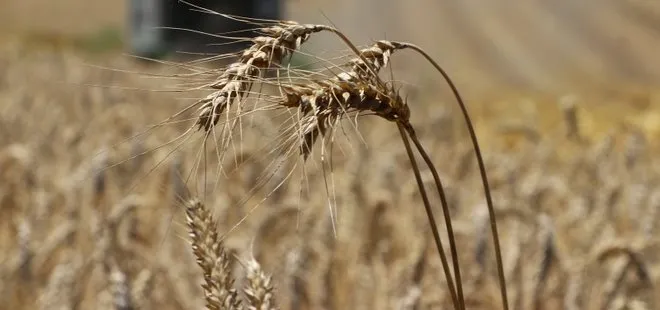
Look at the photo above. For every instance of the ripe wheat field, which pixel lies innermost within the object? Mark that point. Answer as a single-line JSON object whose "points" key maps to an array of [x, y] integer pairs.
{"points": [[100, 209]]}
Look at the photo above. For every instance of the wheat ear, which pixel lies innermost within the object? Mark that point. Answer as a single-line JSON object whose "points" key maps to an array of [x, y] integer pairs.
{"points": [[271, 48], [212, 258], [259, 289], [369, 62], [324, 103], [364, 71], [381, 52], [276, 43]]}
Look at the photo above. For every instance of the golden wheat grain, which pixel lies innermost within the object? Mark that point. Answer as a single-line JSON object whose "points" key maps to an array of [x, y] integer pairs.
{"points": [[572, 298], [634, 148], [56, 240]]}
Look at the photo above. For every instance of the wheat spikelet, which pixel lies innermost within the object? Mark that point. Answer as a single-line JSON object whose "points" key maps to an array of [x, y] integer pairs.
{"points": [[325, 103], [279, 42], [370, 61], [634, 149], [259, 288], [573, 296], [629, 258], [100, 178], [648, 224], [633, 257], [57, 238], [480, 242]]}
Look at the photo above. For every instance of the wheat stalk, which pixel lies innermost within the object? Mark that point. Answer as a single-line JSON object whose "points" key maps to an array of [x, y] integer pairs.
{"points": [[374, 58]]}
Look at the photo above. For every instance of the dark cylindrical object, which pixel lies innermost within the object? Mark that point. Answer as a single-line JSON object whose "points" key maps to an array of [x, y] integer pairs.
{"points": [[158, 27], [147, 38]]}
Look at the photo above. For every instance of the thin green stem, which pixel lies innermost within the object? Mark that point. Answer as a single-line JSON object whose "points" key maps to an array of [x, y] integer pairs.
{"points": [[429, 214]]}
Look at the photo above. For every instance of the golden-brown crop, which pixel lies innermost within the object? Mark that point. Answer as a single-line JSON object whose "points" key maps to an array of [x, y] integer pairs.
{"points": [[577, 219]]}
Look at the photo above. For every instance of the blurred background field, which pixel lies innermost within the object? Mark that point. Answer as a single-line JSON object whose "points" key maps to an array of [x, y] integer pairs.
{"points": [[566, 100]]}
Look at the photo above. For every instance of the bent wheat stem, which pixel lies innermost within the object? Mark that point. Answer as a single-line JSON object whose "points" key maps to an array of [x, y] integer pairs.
{"points": [[429, 214], [445, 210], [482, 169], [380, 52]]}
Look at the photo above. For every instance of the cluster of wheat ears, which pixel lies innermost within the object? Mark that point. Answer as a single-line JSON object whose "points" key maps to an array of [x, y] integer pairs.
{"points": [[319, 106], [68, 243]]}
